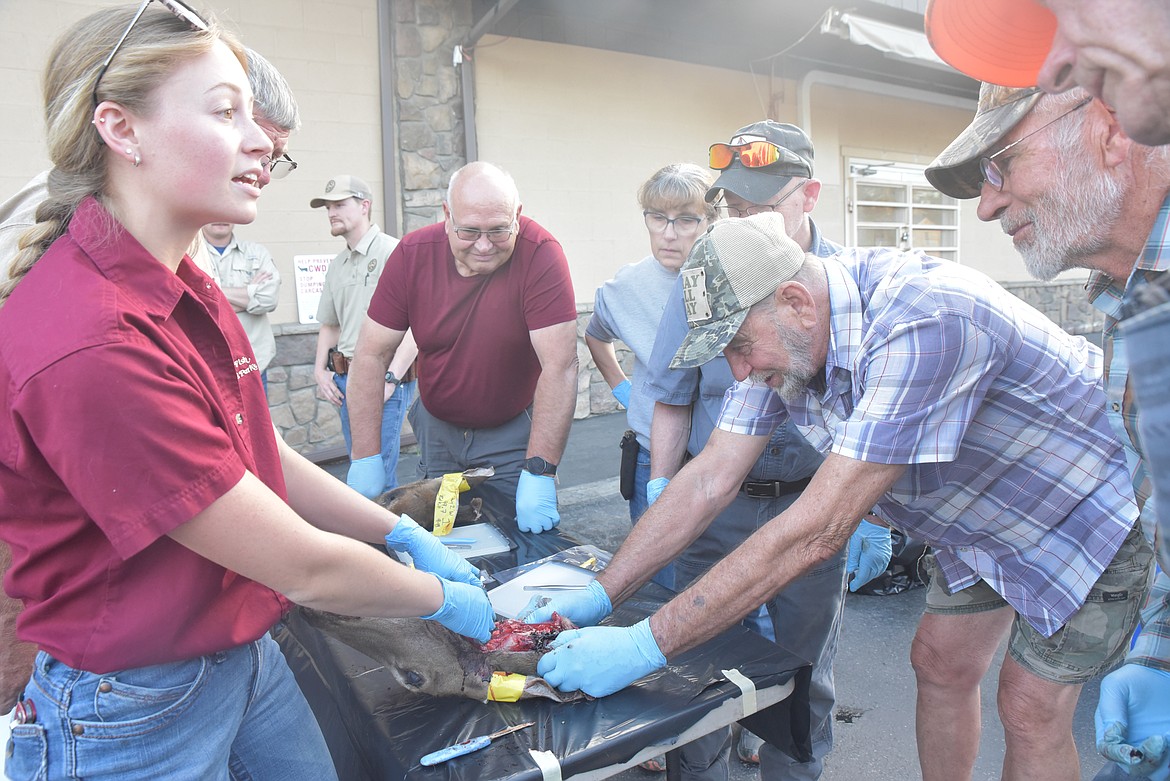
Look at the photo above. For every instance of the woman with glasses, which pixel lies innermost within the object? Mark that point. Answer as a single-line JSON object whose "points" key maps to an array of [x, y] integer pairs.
{"points": [[629, 306], [158, 526]]}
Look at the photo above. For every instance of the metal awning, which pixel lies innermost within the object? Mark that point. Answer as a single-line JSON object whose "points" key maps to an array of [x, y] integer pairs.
{"points": [[890, 39]]}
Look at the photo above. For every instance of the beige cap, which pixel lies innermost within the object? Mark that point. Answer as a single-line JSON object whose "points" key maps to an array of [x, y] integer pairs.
{"points": [[341, 187], [735, 264]]}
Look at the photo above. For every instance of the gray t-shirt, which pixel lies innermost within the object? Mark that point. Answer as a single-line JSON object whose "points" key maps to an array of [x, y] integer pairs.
{"points": [[629, 307]]}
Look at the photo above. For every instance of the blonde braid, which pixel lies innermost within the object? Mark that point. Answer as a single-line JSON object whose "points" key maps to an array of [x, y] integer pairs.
{"points": [[156, 44]]}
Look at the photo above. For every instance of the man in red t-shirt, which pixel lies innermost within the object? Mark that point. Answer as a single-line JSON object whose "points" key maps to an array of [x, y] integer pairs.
{"points": [[487, 295]]}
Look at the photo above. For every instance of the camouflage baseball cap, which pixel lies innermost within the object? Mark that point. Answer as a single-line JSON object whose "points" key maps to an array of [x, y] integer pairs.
{"points": [[956, 172], [735, 264]]}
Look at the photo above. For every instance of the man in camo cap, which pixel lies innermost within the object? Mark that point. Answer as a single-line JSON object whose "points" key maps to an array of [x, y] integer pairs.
{"points": [[966, 417]]}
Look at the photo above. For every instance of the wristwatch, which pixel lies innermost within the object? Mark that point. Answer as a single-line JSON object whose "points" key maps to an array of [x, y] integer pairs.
{"points": [[538, 466], [392, 377]]}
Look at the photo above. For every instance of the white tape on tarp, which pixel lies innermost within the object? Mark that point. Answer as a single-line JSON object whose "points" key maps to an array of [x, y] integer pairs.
{"points": [[550, 768], [746, 687]]}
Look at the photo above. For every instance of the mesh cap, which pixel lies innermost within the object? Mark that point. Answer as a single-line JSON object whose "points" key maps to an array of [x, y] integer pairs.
{"points": [[735, 264]]}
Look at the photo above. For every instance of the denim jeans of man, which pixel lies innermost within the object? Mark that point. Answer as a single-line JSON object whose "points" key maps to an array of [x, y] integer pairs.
{"points": [[235, 714], [638, 505], [806, 616], [393, 411]]}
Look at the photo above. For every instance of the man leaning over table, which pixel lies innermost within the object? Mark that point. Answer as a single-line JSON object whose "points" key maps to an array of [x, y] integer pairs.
{"points": [[968, 418]]}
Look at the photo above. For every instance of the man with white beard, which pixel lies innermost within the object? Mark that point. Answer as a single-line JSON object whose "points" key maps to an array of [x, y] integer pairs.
{"points": [[1074, 191], [965, 416]]}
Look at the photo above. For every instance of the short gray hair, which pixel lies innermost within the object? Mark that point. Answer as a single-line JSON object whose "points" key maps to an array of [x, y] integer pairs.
{"points": [[677, 186], [274, 98]]}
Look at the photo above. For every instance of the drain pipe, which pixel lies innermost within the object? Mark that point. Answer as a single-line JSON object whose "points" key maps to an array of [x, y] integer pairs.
{"points": [[462, 59]]}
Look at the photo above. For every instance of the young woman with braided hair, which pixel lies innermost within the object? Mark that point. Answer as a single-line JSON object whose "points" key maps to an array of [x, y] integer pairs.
{"points": [[158, 525]]}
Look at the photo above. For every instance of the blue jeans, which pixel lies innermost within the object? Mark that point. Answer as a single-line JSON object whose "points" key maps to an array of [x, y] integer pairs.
{"points": [[639, 505], [236, 714], [393, 411]]}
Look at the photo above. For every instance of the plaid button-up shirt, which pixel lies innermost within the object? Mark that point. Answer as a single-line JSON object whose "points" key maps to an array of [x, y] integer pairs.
{"points": [[1015, 475]]}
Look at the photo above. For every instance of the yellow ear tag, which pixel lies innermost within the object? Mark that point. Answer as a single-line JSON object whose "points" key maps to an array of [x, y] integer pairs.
{"points": [[447, 502], [506, 687]]}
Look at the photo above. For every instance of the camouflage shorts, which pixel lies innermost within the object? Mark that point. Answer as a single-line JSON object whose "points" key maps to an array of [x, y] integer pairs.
{"points": [[1091, 641]]}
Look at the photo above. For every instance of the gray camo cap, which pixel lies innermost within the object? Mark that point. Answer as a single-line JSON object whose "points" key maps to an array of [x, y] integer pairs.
{"points": [[956, 172], [735, 264]]}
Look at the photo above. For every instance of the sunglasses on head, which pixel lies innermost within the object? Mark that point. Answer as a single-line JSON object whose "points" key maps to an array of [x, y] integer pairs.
{"points": [[176, 7], [752, 154]]}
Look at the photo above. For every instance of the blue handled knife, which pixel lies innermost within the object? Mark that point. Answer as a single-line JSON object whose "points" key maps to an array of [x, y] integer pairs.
{"points": [[468, 746]]}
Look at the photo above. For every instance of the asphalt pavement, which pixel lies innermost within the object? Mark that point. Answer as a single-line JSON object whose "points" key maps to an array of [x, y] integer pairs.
{"points": [[874, 730]]}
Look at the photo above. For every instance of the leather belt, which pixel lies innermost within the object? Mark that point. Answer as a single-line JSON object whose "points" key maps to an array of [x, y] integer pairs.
{"points": [[772, 489]]}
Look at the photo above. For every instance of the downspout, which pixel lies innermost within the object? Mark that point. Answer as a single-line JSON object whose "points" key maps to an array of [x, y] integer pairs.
{"points": [[462, 59], [387, 92]]}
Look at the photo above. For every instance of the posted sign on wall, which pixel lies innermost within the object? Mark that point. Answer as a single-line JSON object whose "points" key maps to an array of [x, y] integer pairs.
{"points": [[309, 271]]}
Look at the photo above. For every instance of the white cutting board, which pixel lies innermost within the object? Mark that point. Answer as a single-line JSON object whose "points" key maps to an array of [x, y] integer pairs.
{"points": [[486, 540], [510, 598]]}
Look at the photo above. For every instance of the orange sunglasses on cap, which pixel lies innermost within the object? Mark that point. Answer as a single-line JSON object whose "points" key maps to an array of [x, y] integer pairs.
{"points": [[753, 154]]}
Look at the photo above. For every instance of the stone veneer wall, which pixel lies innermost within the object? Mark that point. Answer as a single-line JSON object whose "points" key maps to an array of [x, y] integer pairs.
{"points": [[312, 426], [428, 103]]}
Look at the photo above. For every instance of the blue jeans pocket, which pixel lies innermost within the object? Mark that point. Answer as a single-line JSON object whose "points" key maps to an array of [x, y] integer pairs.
{"points": [[28, 753], [139, 701]]}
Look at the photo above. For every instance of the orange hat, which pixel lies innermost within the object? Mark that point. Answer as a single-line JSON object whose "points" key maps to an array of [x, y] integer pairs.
{"points": [[998, 41]]}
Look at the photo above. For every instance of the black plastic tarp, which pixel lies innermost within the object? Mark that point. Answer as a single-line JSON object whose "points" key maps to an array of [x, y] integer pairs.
{"points": [[377, 730]]}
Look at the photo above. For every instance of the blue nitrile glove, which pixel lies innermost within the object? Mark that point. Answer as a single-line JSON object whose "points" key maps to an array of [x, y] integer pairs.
{"points": [[367, 476], [536, 503], [870, 550], [621, 392], [586, 607], [655, 487], [1135, 705], [601, 660], [429, 553], [466, 609]]}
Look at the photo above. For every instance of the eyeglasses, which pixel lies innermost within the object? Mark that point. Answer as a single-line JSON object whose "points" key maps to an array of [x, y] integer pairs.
{"points": [[279, 168], [495, 235], [684, 224], [176, 7], [993, 174], [726, 210]]}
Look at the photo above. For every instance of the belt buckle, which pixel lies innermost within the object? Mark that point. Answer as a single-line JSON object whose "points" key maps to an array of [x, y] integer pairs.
{"points": [[762, 489]]}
